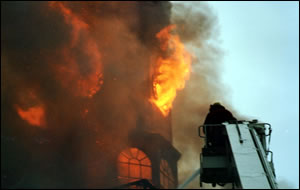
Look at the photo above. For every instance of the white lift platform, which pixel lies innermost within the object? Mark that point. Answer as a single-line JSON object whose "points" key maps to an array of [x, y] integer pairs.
{"points": [[237, 153], [253, 169]]}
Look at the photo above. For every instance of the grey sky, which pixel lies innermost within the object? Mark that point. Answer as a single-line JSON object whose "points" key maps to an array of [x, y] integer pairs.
{"points": [[261, 69]]}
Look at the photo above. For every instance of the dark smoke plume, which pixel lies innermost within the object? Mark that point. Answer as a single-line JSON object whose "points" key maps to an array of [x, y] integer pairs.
{"points": [[43, 54], [47, 50], [198, 28]]}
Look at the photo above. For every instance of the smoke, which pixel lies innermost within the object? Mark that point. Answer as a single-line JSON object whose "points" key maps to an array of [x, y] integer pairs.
{"points": [[87, 64], [285, 184], [198, 28]]}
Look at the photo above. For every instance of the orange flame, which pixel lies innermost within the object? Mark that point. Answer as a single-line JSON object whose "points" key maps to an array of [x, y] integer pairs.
{"points": [[69, 74], [172, 71], [34, 112], [34, 115]]}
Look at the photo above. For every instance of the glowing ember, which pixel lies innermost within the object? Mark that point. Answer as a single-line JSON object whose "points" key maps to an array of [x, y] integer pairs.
{"points": [[171, 71], [69, 73], [84, 112], [34, 116]]}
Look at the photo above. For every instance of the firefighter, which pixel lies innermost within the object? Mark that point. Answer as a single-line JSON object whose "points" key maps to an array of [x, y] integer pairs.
{"points": [[217, 115]]}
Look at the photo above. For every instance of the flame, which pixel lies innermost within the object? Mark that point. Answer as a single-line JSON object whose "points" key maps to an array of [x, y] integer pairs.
{"points": [[171, 71], [34, 112], [35, 115], [69, 73]]}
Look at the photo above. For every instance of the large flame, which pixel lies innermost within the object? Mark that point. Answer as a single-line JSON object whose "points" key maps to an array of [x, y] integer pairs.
{"points": [[171, 71], [69, 73]]}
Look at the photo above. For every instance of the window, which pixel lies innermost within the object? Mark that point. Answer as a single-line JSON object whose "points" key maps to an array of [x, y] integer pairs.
{"points": [[133, 164], [166, 176]]}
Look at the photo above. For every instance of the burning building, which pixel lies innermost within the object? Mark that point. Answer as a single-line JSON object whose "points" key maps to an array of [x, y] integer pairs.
{"points": [[86, 94]]}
